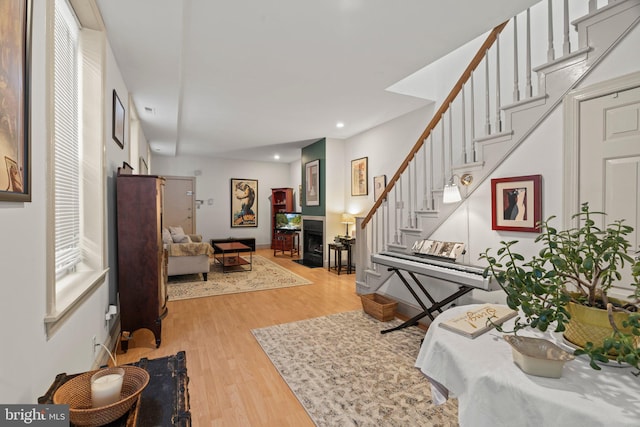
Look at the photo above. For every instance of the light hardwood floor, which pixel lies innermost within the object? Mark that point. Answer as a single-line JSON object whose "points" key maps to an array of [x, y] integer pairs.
{"points": [[232, 382]]}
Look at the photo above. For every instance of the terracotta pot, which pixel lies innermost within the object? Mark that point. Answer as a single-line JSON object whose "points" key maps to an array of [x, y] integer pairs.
{"points": [[589, 324]]}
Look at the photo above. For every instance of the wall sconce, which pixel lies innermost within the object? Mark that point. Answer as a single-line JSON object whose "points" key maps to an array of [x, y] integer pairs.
{"points": [[347, 219], [451, 193]]}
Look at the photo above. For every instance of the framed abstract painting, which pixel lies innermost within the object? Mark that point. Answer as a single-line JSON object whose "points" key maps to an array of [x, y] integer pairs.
{"points": [[516, 203]]}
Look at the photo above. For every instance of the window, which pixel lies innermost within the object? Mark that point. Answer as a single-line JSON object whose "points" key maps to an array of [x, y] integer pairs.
{"points": [[76, 173], [66, 127]]}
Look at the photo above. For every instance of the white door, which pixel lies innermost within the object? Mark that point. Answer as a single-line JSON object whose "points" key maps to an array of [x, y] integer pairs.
{"points": [[609, 147], [179, 203]]}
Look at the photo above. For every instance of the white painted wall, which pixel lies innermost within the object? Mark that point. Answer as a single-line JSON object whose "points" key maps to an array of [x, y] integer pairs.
{"points": [[214, 221], [29, 360]]}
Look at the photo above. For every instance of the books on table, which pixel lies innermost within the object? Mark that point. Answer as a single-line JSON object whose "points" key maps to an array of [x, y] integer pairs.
{"points": [[478, 320]]}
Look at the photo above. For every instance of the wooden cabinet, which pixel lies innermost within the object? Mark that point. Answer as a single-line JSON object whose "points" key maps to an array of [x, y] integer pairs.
{"points": [[142, 273], [286, 241], [281, 201]]}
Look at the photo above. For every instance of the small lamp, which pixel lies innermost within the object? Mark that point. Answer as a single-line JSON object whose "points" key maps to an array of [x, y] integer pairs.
{"points": [[347, 219], [451, 193]]}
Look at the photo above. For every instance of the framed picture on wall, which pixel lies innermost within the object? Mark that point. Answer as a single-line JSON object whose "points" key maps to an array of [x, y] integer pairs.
{"points": [[379, 184], [244, 202], [312, 183], [516, 203], [15, 147], [359, 177], [117, 121]]}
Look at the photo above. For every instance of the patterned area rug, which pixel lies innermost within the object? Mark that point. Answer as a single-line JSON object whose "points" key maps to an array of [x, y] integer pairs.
{"points": [[345, 373], [264, 275]]}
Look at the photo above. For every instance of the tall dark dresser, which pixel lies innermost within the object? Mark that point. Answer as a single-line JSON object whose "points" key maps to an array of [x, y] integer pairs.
{"points": [[142, 272]]}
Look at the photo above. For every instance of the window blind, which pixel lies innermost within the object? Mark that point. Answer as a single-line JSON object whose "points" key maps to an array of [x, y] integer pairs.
{"points": [[67, 147]]}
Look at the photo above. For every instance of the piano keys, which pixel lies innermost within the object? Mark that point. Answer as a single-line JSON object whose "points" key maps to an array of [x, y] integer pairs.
{"points": [[468, 277], [463, 274]]}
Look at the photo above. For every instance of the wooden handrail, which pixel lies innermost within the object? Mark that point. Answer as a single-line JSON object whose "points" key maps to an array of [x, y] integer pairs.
{"points": [[493, 36]]}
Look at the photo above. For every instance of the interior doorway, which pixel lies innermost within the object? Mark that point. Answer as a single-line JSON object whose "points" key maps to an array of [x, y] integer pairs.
{"points": [[179, 203]]}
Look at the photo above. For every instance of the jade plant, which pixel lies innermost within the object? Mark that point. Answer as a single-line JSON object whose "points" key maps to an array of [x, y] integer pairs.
{"points": [[579, 265]]}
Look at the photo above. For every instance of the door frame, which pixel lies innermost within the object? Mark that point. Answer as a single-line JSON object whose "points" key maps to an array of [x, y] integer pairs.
{"points": [[571, 151]]}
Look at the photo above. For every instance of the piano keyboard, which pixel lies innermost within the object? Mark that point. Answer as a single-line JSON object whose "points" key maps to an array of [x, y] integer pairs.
{"points": [[462, 274]]}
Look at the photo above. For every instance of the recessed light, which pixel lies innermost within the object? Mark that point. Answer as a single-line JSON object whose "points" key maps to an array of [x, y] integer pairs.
{"points": [[339, 125], [276, 156]]}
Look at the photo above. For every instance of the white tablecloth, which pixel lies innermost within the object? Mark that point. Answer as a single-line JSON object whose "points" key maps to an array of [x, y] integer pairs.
{"points": [[493, 391]]}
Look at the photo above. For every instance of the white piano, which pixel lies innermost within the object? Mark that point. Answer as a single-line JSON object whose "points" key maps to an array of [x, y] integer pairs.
{"points": [[468, 277]]}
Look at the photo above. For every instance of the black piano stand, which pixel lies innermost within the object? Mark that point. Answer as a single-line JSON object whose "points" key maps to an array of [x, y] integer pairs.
{"points": [[435, 305]]}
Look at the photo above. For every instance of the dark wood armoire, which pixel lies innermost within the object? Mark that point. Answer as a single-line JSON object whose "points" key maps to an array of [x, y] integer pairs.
{"points": [[142, 272]]}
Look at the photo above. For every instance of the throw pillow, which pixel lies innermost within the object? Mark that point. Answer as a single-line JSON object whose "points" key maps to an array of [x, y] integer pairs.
{"points": [[181, 238], [166, 237]]}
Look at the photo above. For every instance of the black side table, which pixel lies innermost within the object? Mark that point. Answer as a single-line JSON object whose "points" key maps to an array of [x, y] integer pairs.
{"points": [[337, 249]]}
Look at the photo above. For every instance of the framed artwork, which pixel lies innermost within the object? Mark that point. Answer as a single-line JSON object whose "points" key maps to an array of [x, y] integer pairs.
{"points": [[117, 122], [244, 202], [516, 203], [379, 184], [312, 183], [15, 146], [359, 177]]}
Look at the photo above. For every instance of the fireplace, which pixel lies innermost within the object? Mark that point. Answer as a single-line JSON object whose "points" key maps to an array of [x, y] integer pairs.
{"points": [[312, 242]]}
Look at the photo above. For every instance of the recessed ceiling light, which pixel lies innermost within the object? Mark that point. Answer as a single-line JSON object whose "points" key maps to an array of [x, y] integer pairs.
{"points": [[339, 125], [276, 156]]}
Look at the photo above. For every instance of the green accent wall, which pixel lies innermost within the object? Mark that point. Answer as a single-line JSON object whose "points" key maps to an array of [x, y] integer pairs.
{"points": [[315, 151]]}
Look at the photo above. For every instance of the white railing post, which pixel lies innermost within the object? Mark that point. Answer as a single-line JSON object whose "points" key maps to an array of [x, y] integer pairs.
{"points": [[415, 191], [450, 114], [566, 46], [473, 120], [395, 216], [401, 216], [387, 235], [409, 194], [432, 185], [464, 127], [487, 124], [516, 84], [425, 196], [550, 52], [529, 87], [442, 164], [498, 119]]}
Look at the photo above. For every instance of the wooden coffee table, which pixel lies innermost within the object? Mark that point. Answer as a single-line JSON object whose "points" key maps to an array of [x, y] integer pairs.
{"points": [[228, 255]]}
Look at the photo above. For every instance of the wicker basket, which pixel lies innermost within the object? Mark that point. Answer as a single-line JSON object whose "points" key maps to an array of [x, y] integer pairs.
{"points": [[77, 394], [379, 307]]}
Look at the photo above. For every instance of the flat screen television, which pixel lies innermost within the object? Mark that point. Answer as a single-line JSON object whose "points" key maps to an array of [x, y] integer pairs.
{"points": [[288, 221]]}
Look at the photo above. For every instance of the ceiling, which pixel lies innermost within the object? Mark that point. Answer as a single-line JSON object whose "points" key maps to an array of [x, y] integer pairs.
{"points": [[254, 78]]}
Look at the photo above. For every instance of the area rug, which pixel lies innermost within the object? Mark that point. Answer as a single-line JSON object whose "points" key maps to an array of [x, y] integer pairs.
{"points": [[345, 373], [264, 275]]}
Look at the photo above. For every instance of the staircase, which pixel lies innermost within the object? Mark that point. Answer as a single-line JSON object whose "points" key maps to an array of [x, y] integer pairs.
{"points": [[499, 100]]}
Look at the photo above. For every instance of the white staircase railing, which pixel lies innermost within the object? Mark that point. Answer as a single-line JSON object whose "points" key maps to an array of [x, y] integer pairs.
{"points": [[473, 131]]}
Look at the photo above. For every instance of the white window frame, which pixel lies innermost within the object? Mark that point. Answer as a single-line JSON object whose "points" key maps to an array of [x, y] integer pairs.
{"points": [[66, 293]]}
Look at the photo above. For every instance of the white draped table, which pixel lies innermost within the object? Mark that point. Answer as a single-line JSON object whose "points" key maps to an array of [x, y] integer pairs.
{"points": [[493, 391]]}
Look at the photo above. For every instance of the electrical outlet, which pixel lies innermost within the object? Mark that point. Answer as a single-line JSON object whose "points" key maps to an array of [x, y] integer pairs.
{"points": [[94, 344]]}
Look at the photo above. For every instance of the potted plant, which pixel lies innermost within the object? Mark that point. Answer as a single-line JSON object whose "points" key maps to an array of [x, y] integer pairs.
{"points": [[575, 269]]}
